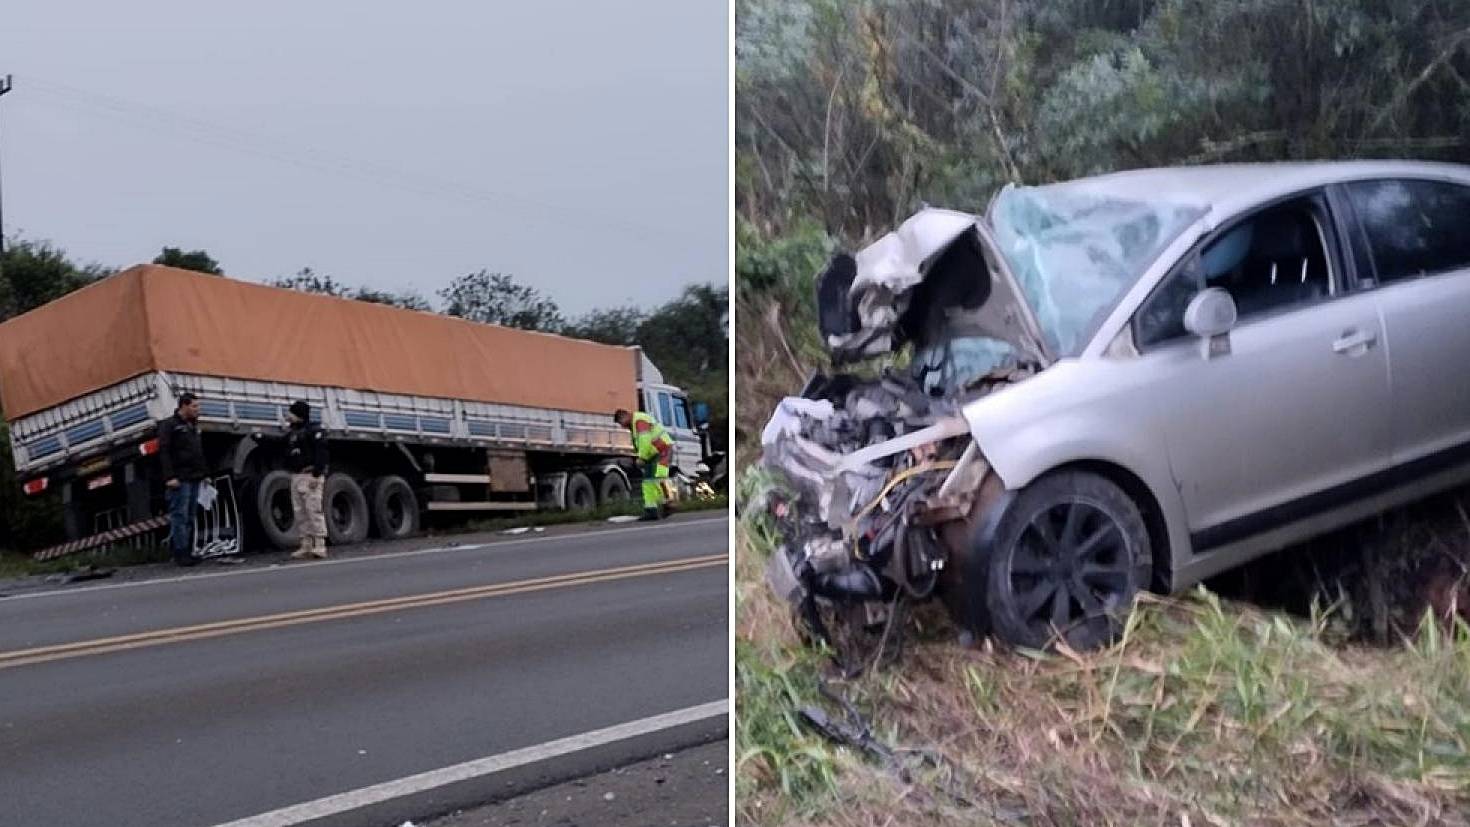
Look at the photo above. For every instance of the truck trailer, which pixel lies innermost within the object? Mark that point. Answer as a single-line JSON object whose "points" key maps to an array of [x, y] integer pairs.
{"points": [[424, 413]]}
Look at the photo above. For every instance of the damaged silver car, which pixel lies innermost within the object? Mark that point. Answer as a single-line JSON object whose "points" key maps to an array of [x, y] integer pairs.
{"points": [[1127, 382]]}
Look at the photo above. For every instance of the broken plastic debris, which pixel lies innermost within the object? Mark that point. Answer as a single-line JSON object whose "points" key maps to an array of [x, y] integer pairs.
{"points": [[521, 530], [623, 518]]}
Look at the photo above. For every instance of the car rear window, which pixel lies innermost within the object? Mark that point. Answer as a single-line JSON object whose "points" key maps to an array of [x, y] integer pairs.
{"points": [[1414, 228]]}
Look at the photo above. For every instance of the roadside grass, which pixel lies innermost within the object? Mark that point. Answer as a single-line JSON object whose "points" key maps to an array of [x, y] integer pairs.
{"points": [[15, 564], [19, 564], [535, 519], [1205, 712]]}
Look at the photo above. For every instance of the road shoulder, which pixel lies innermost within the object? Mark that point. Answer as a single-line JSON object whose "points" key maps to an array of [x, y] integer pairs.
{"points": [[688, 788]]}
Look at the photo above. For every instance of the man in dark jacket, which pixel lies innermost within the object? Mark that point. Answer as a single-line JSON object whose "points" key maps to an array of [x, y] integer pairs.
{"points": [[181, 452], [306, 459]]}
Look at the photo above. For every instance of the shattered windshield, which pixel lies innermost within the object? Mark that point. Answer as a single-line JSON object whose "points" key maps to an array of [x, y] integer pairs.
{"points": [[1076, 251]]}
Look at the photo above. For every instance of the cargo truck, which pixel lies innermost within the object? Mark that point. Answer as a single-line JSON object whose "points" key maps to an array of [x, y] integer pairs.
{"points": [[425, 413]]}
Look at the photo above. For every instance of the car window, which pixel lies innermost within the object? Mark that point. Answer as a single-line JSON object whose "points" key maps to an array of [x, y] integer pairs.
{"points": [[1413, 228], [665, 409], [1271, 261], [681, 412]]}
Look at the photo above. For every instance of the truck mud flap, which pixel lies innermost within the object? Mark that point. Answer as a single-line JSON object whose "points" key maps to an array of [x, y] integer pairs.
{"points": [[217, 528]]}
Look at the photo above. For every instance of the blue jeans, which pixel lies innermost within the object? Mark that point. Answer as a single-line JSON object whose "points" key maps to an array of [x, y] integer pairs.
{"points": [[181, 502]]}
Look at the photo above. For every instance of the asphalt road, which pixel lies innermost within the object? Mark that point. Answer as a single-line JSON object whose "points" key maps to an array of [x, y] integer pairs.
{"points": [[205, 699]]}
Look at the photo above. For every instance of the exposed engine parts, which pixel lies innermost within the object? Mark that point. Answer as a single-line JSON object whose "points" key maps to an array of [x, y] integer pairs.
{"points": [[873, 467]]}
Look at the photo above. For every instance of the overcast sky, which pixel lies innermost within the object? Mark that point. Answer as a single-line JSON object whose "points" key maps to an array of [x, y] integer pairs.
{"points": [[580, 146]]}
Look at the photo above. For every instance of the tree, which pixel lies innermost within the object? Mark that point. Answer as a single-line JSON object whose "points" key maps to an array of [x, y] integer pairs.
{"points": [[688, 334], [617, 326], [852, 115], [688, 338], [308, 281], [407, 300], [196, 260], [497, 298], [33, 273]]}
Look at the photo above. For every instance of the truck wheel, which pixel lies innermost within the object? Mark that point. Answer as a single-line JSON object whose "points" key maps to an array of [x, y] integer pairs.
{"points": [[395, 509], [614, 489], [272, 501], [1068, 559], [346, 510], [580, 494]]}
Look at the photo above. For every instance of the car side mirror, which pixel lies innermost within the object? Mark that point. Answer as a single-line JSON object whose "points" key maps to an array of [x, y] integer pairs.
{"points": [[1211, 316]]}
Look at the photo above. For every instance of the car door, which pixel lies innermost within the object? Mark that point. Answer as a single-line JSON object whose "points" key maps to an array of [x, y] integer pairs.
{"points": [[1414, 243], [1261, 435]]}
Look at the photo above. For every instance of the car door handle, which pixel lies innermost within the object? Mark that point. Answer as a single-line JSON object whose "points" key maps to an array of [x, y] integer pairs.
{"points": [[1354, 342]]}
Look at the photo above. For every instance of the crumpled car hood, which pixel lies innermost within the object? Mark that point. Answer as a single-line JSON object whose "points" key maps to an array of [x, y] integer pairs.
{"points": [[875, 301]]}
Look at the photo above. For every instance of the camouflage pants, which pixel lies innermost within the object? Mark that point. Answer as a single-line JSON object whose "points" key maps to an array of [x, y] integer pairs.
{"points": [[306, 502]]}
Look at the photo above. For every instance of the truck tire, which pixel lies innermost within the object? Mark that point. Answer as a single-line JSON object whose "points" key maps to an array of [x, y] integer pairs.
{"points": [[580, 494], [346, 510], [395, 509], [271, 498], [614, 489]]}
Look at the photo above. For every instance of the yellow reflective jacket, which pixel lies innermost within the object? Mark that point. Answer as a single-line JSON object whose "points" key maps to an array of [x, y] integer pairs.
{"points": [[650, 439]]}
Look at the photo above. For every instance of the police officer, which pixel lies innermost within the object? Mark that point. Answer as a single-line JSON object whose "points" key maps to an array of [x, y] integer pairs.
{"points": [[306, 459], [181, 454], [655, 449]]}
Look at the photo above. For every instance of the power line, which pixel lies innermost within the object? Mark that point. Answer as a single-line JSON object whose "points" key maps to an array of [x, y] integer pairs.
{"points": [[188, 127]]}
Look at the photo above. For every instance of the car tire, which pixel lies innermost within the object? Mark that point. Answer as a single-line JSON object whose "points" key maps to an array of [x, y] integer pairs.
{"points": [[346, 510], [580, 494], [1068, 558], [613, 489], [271, 501], [394, 508]]}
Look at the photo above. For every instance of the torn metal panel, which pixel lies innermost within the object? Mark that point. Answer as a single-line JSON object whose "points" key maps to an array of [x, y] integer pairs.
{"points": [[938, 276]]}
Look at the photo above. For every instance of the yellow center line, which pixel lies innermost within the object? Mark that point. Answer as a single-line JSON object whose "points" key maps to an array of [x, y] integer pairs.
{"points": [[202, 631]]}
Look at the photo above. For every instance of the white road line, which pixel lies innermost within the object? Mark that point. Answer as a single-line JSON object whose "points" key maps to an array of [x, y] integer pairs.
{"points": [[392, 555], [378, 793]]}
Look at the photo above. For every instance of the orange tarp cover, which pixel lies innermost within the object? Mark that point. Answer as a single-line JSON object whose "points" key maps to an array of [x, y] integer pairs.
{"points": [[158, 318]]}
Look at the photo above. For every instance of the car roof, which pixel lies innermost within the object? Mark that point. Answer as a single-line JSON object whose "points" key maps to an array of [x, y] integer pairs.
{"points": [[1229, 188]]}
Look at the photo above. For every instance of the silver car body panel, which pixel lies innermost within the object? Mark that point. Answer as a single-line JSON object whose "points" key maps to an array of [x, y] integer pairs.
{"points": [[1187, 448]]}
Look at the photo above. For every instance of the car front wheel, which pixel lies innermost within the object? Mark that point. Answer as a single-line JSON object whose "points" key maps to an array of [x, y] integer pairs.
{"points": [[1068, 558]]}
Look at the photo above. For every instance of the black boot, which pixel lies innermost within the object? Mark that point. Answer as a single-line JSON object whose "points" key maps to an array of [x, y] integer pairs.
{"points": [[650, 515]]}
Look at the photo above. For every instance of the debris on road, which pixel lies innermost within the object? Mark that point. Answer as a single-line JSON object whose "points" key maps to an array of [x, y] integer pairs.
{"points": [[83, 575]]}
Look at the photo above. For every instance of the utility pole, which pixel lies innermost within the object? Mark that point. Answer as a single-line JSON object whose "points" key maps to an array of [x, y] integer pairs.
{"points": [[5, 86]]}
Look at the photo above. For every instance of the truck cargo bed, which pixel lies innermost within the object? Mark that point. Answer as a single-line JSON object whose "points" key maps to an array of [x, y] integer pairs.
{"points": [[99, 421]]}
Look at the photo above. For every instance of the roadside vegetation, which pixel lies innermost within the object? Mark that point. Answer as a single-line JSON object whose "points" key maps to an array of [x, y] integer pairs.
{"points": [[1207, 711], [1325, 685]]}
